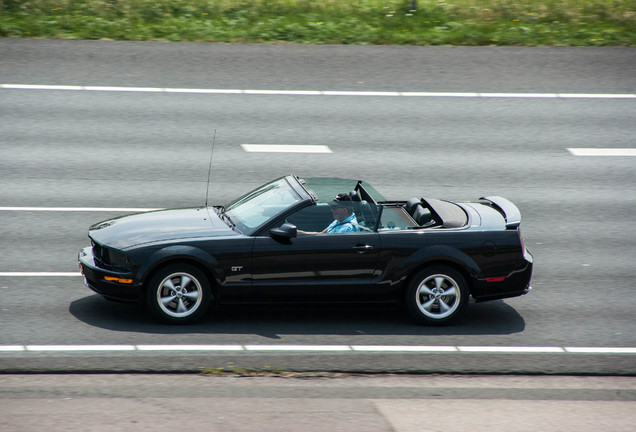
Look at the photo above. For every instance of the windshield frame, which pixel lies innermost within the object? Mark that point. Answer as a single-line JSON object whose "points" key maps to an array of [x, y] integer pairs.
{"points": [[326, 188], [249, 213]]}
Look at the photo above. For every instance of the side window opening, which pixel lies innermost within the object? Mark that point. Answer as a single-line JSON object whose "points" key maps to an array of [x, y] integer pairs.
{"points": [[396, 218], [318, 216]]}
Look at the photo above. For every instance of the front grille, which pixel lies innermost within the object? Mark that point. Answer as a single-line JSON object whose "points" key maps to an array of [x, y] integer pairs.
{"points": [[98, 253]]}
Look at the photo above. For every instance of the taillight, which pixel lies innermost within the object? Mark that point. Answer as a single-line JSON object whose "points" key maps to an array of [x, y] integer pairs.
{"points": [[523, 244]]}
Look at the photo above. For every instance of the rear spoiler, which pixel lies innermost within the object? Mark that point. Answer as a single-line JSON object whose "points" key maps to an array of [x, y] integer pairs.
{"points": [[510, 211]]}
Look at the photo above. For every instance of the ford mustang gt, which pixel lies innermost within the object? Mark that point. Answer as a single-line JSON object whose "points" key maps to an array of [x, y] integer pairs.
{"points": [[286, 242]]}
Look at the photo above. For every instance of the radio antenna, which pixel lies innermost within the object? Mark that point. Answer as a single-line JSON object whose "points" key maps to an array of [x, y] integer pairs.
{"points": [[207, 188]]}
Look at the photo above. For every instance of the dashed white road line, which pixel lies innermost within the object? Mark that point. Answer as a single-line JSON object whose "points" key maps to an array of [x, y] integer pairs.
{"points": [[404, 348], [285, 148], [320, 92], [320, 348], [512, 350], [190, 348], [326, 349], [79, 209], [39, 274], [603, 151], [79, 348], [600, 350]]}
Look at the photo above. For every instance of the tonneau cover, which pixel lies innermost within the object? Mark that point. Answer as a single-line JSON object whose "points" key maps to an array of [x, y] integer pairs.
{"points": [[449, 214]]}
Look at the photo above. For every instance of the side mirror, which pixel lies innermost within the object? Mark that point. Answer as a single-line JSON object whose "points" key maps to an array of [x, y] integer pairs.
{"points": [[286, 230]]}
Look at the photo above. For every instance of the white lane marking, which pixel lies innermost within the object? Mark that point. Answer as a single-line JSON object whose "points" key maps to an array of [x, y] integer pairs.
{"points": [[124, 89], [403, 348], [361, 93], [602, 151], [600, 350], [320, 92], [76, 348], [12, 348], [190, 348], [39, 274], [284, 148], [513, 349], [79, 209], [321, 348], [282, 92], [390, 349]]}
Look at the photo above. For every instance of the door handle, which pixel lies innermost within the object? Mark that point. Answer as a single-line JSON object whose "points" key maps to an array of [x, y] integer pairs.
{"points": [[363, 248]]}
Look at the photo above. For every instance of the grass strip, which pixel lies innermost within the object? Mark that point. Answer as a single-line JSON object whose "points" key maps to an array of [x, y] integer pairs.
{"points": [[401, 22]]}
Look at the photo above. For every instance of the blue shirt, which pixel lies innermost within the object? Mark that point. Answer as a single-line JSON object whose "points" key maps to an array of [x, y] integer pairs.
{"points": [[350, 224]]}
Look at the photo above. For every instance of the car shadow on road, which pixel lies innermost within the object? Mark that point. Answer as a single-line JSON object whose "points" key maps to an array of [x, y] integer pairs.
{"points": [[491, 318]]}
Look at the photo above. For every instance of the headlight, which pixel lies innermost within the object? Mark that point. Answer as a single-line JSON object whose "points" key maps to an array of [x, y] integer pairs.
{"points": [[111, 259], [118, 259]]}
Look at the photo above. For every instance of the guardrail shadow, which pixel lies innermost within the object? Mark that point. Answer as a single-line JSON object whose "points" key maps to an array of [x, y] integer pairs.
{"points": [[490, 318]]}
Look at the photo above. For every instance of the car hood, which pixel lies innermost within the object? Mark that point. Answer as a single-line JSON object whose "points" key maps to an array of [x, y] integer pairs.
{"points": [[162, 225]]}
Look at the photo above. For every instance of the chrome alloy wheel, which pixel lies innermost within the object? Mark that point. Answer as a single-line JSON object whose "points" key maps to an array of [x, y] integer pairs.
{"points": [[179, 295], [438, 296]]}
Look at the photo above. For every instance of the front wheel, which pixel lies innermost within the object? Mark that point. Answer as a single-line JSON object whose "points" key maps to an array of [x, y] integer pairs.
{"points": [[437, 295], [178, 294]]}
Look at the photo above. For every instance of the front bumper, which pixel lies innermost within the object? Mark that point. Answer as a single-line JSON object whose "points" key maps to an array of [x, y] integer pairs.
{"points": [[95, 279]]}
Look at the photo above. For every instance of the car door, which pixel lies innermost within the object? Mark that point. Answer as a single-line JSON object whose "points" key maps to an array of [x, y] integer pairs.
{"points": [[314, 267]]}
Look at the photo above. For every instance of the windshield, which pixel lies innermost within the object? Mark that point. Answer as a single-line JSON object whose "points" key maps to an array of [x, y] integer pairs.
{"points": [[259, 206]]}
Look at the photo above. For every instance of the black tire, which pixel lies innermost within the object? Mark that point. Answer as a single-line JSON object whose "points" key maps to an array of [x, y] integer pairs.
{"points": [[178, 294], [437, 295]]}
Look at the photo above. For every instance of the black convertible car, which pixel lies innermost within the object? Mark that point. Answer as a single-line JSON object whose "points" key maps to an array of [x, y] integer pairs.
{"points": [[272, 245]]}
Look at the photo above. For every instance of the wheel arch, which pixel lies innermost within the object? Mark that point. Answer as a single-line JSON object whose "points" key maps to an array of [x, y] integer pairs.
{"points": [[441, 256], [188, 255]]}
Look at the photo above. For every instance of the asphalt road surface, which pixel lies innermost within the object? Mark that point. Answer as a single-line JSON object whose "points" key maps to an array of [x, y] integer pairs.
{"points": [[455, 123], [324, 402]]}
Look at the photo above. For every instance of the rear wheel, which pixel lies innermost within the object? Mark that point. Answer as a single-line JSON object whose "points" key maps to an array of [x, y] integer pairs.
{"points": [[178, 294], [437, 295]]}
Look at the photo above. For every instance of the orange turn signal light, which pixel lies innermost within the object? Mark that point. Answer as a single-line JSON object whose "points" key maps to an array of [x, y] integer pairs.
{"points": [[118, 280]]}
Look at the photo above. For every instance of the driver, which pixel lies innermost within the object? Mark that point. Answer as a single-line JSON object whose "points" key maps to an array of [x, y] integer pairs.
{"points": [[344, 218]]}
